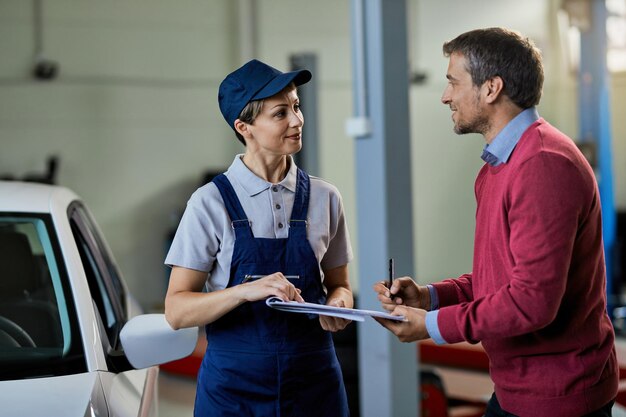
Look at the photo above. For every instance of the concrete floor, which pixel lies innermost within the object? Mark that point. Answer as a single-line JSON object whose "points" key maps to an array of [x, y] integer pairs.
{"points": [[176, 395]]}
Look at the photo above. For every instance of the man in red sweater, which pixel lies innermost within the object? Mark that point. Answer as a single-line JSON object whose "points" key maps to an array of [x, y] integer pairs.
{"points": [[536, 295]]}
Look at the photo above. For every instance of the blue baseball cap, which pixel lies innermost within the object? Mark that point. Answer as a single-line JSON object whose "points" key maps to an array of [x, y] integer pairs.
{"points": [[255, 80]]}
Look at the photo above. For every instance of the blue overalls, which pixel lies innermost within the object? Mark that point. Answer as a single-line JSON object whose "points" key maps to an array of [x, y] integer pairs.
{"points": [[264, 362]]}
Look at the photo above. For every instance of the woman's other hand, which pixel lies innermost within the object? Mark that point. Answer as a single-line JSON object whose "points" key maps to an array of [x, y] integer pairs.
{"points": [[334, 324], [338, 294]]}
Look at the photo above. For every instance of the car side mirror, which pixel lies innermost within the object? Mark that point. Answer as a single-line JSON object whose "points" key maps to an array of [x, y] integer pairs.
{"points": [[149, 340]]}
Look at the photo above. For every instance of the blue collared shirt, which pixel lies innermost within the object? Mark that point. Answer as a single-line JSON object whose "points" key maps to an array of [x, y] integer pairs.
{"points": [[495, 153], [499, 150]]}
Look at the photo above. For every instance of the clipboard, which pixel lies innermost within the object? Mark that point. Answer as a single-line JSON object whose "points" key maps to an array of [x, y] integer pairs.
{"points": [[353, 314]]}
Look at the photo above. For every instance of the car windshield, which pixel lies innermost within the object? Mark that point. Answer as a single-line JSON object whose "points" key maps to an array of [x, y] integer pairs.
{"points": [[38, 326]]}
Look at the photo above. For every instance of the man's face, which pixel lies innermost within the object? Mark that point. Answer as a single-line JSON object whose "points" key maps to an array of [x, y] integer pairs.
{"points": [[464, 98]]}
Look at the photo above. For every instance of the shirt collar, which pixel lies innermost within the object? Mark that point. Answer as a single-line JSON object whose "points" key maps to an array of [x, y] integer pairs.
{"points": [[500, 149], [254, 185]]}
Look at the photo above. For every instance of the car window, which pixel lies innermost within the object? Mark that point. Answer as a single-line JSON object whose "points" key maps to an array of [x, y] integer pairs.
{"points": [[102, 299], [102, 275], [38, 327]]}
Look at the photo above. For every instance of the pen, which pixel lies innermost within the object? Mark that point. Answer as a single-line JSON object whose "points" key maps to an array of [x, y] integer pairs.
{"points": [[391, 274], [249, 277]]}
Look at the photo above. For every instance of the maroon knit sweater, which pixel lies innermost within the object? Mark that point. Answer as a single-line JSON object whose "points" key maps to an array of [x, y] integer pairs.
{"points": [[536, 296]]}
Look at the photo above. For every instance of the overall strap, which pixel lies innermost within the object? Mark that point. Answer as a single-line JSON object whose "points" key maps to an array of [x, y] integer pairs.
{"points": [[301, 200], [233, 206]]}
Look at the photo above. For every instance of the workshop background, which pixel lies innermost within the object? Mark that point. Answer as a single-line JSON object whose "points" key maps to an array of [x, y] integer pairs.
{"points": [[119, 100]]}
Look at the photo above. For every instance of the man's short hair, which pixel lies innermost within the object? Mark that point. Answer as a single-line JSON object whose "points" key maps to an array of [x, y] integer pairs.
{"points": [[504, 53]]}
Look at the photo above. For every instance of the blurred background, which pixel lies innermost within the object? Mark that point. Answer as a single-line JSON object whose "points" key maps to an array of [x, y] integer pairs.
{"points": [[117, 100]]}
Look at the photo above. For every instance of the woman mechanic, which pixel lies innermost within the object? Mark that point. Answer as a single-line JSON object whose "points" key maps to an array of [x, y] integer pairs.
{"points": [[263, 228]]}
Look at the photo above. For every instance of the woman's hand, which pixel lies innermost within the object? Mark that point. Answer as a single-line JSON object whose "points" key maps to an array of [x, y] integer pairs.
{"points": [[339, 294], [403, 291], [334, 324], [187, 306], [275, 285]]}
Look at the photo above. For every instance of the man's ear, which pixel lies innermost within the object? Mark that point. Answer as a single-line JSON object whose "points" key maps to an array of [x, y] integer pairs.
{"points": [[242, 128], [494, 87]]}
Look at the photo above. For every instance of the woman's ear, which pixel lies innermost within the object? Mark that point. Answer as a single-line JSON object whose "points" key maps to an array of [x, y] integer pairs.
{"points": [[242, 128], [494, 87]]}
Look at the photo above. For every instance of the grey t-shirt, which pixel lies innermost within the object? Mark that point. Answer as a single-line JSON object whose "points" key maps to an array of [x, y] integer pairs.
{"points": [[205, 239]]}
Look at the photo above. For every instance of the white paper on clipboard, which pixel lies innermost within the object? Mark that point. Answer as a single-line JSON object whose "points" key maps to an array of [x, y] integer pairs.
{"points": [[341, 312]]}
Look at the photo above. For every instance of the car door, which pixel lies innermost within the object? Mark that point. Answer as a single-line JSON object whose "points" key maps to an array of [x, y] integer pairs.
{"points": [[128, 392]]}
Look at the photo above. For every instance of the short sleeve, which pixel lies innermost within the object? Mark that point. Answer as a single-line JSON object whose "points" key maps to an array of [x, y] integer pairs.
{"points": [[339, 248], [196, 242]]}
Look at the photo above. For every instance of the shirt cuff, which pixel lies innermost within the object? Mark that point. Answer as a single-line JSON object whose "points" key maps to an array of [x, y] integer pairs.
{"points": [[433, 328], [434, 299]]}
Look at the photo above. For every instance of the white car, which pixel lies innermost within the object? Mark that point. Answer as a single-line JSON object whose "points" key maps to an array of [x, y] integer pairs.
{"points": [[73, 341]]}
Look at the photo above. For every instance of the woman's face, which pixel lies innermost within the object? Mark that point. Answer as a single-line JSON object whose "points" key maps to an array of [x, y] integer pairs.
{"points": [[277, 130]]}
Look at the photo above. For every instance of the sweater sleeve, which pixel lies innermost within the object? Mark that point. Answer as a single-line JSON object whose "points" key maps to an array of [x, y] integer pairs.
{"points": [[544, 203], [454, 291]]}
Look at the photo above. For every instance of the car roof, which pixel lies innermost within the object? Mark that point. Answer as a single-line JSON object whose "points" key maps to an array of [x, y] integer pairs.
{"points": [[28, 197]]}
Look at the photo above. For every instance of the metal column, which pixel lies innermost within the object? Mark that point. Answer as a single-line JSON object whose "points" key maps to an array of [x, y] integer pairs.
{"points": [[595, 125], [387, 368], [308, 157]]}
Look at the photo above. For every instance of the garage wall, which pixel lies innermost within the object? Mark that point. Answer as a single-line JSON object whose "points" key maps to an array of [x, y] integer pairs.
{"points": [[444, 198], [134, 117], [618, 104]]}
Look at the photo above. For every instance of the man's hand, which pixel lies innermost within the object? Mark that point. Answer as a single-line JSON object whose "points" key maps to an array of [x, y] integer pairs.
{"points": [[405, 292], [410, 330]]}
